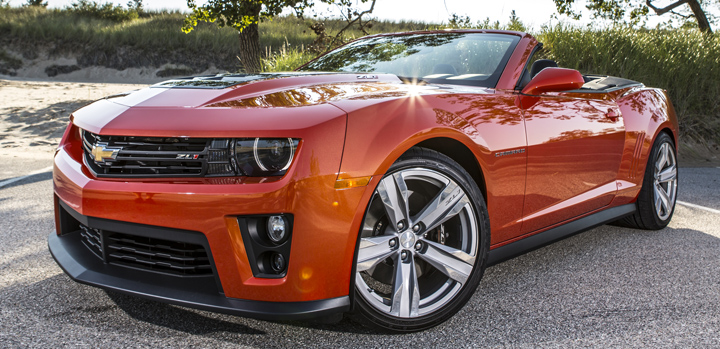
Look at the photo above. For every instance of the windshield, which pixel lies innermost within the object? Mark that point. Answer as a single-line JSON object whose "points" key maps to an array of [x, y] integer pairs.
{"points": [[475, 59]]}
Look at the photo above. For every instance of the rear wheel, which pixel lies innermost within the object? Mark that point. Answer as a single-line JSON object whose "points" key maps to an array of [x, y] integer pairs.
{"points": [[423, 244], [656, 201]]}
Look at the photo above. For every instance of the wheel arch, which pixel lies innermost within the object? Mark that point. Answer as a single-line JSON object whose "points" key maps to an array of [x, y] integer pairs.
{"points": [[673, 136], [461, 154]]}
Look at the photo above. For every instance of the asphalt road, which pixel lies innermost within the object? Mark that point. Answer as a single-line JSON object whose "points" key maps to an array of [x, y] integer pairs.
{"points": [[607, 287]]}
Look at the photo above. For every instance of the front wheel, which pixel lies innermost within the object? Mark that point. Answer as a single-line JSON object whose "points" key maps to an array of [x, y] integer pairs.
{"points": [[423, 244]]}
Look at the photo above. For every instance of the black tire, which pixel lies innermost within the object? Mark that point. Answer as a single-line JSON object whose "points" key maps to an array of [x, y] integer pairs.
{"points": [[429, 162], [647, 216]]}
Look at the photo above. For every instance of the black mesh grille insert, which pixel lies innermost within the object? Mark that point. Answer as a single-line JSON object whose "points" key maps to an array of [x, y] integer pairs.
{"points": [[126, 156], [92, 239], [153, 254], [157, 254]]}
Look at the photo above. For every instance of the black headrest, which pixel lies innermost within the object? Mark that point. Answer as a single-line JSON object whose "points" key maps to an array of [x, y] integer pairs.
{"points": [[444, 69], [541, 64]]}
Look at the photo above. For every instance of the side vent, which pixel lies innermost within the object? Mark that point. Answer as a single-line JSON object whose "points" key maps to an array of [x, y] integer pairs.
{"points": [[635, 166]]}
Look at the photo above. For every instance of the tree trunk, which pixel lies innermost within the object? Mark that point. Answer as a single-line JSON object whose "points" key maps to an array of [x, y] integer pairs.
{"points": [[702, 20], [250, 49]]}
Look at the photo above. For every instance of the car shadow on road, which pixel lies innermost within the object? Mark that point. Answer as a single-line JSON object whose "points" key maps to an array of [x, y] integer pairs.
{"points": [[176, 318]]}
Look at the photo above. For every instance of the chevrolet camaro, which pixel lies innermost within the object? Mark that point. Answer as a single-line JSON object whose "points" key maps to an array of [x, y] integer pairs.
{"points": [[379, 179]]}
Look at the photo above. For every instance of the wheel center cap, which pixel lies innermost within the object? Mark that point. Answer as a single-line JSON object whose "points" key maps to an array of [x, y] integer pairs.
{"points": [[407, 239]]}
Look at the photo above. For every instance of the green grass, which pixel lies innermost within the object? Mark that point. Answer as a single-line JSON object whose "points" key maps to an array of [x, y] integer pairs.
{"points": [[685, 62], [286, 60], [155, 37]]}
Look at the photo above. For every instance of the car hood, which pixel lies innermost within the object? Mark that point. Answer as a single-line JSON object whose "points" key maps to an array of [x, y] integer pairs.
{"points": [[208, 105], [265, 90]]}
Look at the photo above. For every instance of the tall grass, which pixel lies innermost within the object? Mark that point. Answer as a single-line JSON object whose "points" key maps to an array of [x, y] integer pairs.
{"points": [[286, 60], [156, 36], [144, 41], [292, 32], [685, 62]]}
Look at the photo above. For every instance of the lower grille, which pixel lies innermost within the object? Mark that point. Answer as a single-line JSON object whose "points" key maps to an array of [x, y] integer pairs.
{"points": [[156, 254], [92, 239], [146, 253]]}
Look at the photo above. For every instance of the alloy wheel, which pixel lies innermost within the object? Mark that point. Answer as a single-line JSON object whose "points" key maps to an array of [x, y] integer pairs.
{"points": [[418, 245], [665, 185]]}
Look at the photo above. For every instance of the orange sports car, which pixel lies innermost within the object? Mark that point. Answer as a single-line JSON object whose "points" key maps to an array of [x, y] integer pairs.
{"points": [[379, 179]]}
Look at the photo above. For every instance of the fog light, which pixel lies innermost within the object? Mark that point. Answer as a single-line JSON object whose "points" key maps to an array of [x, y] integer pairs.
{"points": [[277, 262], [277, 228]]}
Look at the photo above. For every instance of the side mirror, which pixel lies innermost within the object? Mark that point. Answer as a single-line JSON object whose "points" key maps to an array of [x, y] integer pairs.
{"points": [[554, 80]]}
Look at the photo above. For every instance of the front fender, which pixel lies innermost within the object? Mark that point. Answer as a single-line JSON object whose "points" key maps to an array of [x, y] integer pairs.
{"points": [[378, 135], [489, 125]]}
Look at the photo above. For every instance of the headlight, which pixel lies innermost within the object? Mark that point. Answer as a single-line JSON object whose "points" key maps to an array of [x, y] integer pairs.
{"points": [[265, 156]]}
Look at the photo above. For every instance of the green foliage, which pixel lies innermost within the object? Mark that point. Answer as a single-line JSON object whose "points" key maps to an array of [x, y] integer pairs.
{"points": [[244, 16], [515, 23], [634, 12], [286, 60], [154, 39], [136, 5], [41, 26], [40, 3], [90, 8], [240, 14], [616, 10], [459, 22], [685, 62], [295, 33]]}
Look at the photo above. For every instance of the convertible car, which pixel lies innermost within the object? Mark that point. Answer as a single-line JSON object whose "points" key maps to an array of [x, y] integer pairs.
{"points": [[379, 179]]}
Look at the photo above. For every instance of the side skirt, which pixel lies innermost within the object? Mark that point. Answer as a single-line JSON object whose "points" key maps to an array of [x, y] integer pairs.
{"points": [[547, 237]]}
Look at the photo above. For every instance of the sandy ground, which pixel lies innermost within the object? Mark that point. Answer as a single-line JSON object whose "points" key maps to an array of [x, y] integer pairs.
{"points": [[34, 114]]}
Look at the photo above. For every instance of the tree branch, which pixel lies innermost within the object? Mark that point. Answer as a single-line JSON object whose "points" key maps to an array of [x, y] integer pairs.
{"points": [[681, 15], [666, 9], [350, 23]]}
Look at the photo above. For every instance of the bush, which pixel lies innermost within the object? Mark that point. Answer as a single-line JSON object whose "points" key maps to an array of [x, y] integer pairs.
{"points": [[40, 3], [286, 60], [89, 8]]}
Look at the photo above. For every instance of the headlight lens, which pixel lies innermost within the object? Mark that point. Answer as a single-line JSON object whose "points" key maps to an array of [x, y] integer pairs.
{"points": [[265, 156]]}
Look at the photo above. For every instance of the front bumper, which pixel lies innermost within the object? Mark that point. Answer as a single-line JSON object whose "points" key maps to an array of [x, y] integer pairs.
{"points": [[324, 235], [79, 263]]}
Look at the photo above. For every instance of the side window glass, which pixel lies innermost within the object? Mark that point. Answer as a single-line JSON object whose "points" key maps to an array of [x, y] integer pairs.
{"points": [[525, 78]]}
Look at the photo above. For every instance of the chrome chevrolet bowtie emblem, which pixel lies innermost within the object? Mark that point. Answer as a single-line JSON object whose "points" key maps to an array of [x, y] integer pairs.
{"points": [[101, 152]]}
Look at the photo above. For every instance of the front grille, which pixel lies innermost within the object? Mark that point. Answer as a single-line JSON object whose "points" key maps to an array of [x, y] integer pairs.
{"points": [[127, 156], [152, 254]]}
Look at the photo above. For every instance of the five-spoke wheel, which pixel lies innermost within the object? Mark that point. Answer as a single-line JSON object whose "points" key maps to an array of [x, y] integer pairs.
{"points": [[665, 183], [424, 234]]}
